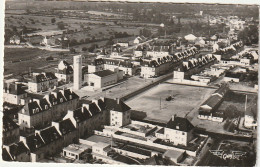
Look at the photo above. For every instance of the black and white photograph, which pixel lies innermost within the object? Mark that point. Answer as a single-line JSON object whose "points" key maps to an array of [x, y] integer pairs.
{"points": [[130, 83]]}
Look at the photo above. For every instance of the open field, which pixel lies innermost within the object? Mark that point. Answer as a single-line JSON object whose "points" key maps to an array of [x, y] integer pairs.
{"points": [[25, 58], [186, 98]]}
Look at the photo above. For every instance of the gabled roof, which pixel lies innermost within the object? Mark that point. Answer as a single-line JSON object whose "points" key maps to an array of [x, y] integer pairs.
{"points": [[34, 106], [116, 105], [68, 93], [104, 73], [9, 124], [17, 149], [49, 135], [222, 90], [66, 126], [5, 155], [212, 101], [80, 116], [93, 108], [179, 123], [43, 77], [43, 104], [101, 104], [34, 142]]}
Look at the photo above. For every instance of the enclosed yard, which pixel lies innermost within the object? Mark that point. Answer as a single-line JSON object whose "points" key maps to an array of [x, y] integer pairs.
{"points": [[153, 102]]}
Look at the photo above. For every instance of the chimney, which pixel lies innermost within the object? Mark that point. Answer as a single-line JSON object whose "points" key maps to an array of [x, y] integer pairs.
{"points": [[117, 100], [173, 116], [56, 125]]}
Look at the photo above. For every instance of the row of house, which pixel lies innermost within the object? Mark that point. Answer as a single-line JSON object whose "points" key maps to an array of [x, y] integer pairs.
{"points": [[208, 110], [76, 123], [38, 112], [157, 66]]}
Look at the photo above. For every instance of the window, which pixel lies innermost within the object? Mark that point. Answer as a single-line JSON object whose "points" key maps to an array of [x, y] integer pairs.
{"points": [[46, 107], [61, 100], [70, 97], [37, 109], [183, 133]]}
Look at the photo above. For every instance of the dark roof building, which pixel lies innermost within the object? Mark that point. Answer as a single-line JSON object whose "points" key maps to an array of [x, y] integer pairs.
{"points": [[17, 149], [116, 105], [180, 124], [15, 89], [104, 73], [8, 124]]}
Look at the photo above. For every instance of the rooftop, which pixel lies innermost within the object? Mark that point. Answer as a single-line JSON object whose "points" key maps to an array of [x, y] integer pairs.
{"points": [[180, 123]]}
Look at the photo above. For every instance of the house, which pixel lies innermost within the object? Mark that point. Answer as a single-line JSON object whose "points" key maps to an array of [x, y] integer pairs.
{"points": [[190, 38], [91, 116], [119, 112], [11, 131], [18, 152], [48, 41], [139, 39], [101, 148], [53, 106], [64, 72], [36, 145], [42, 82], [122, 44], [200, 41], [15, 40], [13, 93], [178, 130], [158, 51], [74, 151], [103, 78], [51, 137], [233, 77], [67, 130]]}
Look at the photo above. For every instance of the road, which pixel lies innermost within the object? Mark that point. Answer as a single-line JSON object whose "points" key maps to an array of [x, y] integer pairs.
{"points": [[133, 47]]}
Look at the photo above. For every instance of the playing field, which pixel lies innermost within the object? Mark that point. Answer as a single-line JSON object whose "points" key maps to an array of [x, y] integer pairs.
{"points": [[185, 100]]}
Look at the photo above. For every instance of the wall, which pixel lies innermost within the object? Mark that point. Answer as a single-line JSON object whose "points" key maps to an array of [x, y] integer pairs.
{"points": [[189, 82]]}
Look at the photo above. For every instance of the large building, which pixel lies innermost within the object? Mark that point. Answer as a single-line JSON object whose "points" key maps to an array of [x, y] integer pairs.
{"points": [[103, 78], [64, 72], [53, 106], [101, 64], [42, 82], [77, 75]]}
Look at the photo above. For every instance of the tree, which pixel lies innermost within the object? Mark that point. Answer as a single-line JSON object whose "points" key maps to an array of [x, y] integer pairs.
{"points": [[84, 49], [72, 50], [110, 42], [53, 20], [61, 25]]}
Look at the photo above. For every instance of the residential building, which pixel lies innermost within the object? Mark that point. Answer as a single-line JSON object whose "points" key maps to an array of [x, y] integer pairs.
{"points": [[15, 40], [178, 130], [13, 93], [48, 41], [173, 155], [18, 152], [53, 106], [190, 38], [42, 82], [103, 78], [10, 131], [64, 72], [119, 112]]}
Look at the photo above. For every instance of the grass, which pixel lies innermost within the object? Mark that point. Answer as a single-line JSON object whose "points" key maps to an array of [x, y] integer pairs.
{"points": [[25, 58], [186, 98]]}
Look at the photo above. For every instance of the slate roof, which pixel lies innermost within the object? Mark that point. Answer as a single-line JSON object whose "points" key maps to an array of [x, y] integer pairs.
{"points": [[34, 142], [9, 124], [222, 90], [104, 73], [233, 75], [93, 108], [212, 101], [97, 62], [66, 126], [68, 93], [44, 77], [17, 149], [5, 155], [151, 63], [179, 123], [111, 104], [34, 106], [49, 135]]}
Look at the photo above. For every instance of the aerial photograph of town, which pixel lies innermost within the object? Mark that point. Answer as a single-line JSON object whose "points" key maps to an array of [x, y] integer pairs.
{"points": [[130, 83]]}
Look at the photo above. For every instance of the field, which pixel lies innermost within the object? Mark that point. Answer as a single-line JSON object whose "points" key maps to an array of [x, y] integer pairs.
{"points": [[186, 99], [25, 58]]}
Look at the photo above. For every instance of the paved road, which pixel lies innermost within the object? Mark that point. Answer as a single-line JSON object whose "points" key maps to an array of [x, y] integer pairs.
{"points": [[133, 47]]}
